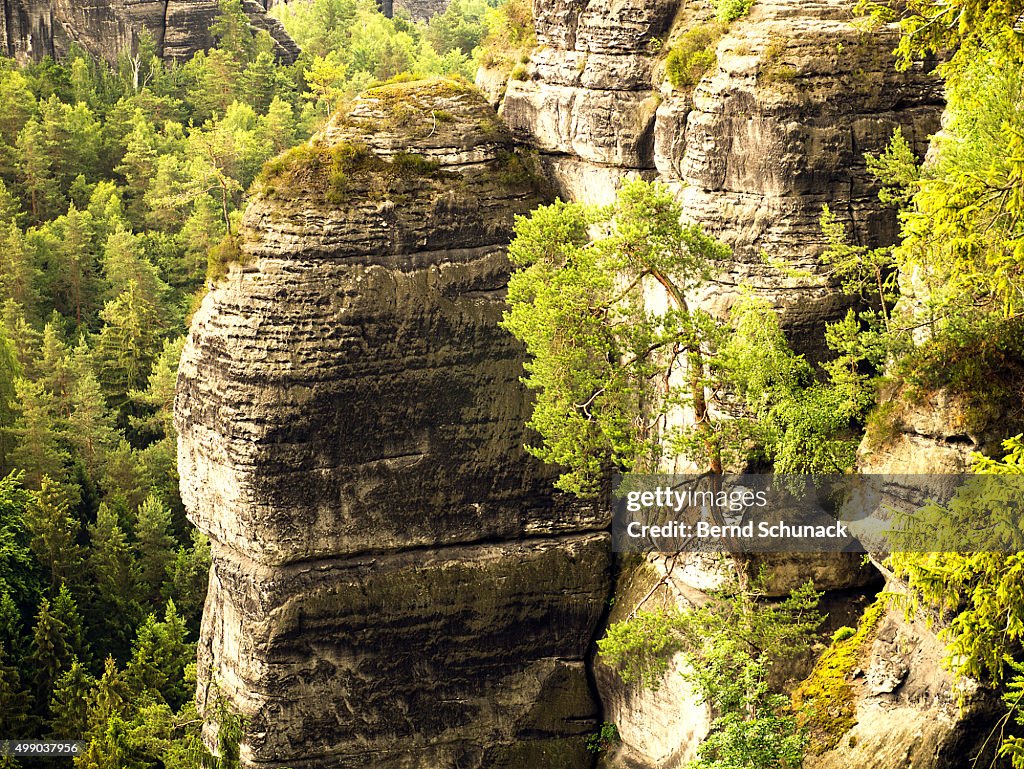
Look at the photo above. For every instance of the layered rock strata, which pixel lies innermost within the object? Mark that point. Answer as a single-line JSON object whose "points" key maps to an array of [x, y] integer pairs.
{"points": [[31, 29], [776, 127], [394, 583]]}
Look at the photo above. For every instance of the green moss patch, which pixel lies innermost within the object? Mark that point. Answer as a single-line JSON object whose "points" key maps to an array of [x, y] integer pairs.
{"points": [[405, 104], [516, 170], [220, 258], [979, 364], [825, 699], [773, 69]]}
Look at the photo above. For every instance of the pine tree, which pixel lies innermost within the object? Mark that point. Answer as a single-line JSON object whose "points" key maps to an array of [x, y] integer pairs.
{"points": [[109, 705], [72, 137], [35, 172], [233, 32], [138, 165], [39, 432], [14, 703], [158, 397], [278, 128], [165, 199], [10, 372], [54, 533], [92, 432], [18, 274], [219, 74], [124, 477], [20, 581], [19, 105], [73, 271], [12, 635], [53, 369], [114, 572], [48, 656], [124, 261], [23, 336], [159, 657], [10, 209], [190, 576], [128, 342], [155, 544], [65, 608], [69, 707]]}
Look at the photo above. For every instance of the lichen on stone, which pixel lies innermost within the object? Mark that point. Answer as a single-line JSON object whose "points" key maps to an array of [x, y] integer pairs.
{"points": [[826, 698]]}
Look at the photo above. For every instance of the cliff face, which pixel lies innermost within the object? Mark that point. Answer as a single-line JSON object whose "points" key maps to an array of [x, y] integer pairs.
{"points": [[394, 583], [793, 96], [777, 126], [31, 29]]}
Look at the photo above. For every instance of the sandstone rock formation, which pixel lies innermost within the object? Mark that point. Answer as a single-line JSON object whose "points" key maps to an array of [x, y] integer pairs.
{"points": [[31, 29], [775, 128], [394, 583], [662, 728]]}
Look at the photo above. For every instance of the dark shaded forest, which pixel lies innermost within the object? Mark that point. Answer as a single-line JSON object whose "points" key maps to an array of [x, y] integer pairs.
{"points": [[120, 190]]}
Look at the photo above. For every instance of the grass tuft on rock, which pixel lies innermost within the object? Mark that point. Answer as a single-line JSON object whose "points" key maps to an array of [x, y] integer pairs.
{"points": [[693, 55], [328, 170], [221, 256]]}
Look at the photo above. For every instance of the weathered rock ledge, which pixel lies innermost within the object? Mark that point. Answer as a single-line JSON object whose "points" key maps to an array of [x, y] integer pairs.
{"points": [[775, 128]]}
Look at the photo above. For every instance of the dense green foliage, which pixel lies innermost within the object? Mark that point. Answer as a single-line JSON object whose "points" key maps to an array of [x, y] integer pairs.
{"points": [[599, 355], [347, 45], [730, 646], [730, 10], [930, 27], [120, 192], [957, 325], [975, 583]]}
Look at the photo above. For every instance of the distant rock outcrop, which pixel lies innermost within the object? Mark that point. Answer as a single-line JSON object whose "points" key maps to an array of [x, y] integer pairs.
{"points": [[422, 9], [394, 583], [31, 29]]}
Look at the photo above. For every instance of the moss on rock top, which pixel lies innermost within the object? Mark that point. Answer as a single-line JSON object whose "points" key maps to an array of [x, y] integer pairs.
{"points": [[430, 114], [399, 140]]}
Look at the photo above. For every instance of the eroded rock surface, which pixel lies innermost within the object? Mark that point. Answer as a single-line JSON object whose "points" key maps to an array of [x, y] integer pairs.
{"points": [[422, 9], [394, 583], [31, 29], [662, 727], [776, 128]]}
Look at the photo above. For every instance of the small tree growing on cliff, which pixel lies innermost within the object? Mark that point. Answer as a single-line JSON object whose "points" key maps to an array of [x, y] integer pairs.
{"points": [[609, 366], [731, 645], [605, 366]]}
